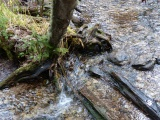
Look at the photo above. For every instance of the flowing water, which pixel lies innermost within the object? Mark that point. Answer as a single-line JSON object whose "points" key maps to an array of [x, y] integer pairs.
{"points": [[63, 103], [135, 30]]}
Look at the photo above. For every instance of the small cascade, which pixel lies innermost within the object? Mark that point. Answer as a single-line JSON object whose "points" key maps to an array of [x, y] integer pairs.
{"points": [[57, 109], [63, 102]]}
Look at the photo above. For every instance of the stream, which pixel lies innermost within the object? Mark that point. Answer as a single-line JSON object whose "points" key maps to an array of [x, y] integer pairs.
{"points": [[135, 30]]}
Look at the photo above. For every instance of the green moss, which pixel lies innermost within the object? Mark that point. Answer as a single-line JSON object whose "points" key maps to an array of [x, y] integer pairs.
{"points": [[16, 75]]}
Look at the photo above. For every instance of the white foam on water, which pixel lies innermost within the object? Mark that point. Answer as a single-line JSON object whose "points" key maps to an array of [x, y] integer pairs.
{"points": [[63, 104]]}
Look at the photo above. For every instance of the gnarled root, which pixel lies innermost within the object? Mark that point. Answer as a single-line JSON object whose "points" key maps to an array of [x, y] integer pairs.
{"points": [[26, 72]]}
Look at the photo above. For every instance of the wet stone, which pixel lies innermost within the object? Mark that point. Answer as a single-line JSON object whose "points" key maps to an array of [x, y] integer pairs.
{"points": [[95, 71], [158, 61], [119, 57], [42, 118], [148, 65]]}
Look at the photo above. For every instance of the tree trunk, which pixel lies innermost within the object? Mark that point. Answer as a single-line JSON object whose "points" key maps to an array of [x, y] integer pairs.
{"points": [[62, 11]]}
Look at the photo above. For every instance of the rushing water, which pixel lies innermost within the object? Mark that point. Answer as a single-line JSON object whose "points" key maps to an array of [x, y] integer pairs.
{"points": [[63, 103]]}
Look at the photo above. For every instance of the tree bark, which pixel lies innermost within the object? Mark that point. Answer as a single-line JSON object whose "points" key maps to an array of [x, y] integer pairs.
{"points": [[62, 11]]}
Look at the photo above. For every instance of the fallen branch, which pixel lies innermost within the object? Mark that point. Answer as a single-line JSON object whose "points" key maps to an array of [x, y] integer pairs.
{"points": [[146, 104], [16, 74], [92, 109], [97, 104], [85, 101]]}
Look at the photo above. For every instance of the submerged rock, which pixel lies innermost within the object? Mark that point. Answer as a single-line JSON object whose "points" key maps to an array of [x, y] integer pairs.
{"points": [[119, 57], [158, 61], [42, 118], [149, 65], [95, 71]]}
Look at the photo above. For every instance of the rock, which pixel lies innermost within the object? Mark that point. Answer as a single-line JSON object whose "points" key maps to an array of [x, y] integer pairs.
{"points": [[119, 57], [148, 65], [158, 61], [77, 21], [95, 71]]}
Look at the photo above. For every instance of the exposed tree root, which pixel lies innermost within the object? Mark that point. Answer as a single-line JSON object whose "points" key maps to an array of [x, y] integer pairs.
{"points": [[29, 71]]}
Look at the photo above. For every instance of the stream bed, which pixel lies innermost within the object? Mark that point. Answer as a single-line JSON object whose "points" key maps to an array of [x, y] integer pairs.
{"points": [[135, 30]]}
